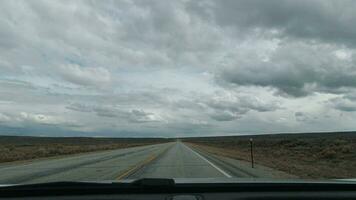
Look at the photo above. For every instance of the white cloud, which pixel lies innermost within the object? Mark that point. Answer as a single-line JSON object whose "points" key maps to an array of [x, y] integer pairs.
{"points": [[87, 76], [4, 118], [40, 118], [140, 116]]}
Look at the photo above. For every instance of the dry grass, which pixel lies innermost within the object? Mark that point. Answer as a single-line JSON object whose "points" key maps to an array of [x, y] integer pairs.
{"points": [[307, 156], [24, 148]]}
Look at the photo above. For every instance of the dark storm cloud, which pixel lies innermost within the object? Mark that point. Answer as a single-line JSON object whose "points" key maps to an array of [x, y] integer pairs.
{"points": [[324, 20], [308, 32], [295, 69]]}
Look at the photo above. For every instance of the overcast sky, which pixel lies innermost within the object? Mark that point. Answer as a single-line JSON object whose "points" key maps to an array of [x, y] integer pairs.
{"points": [[176, 68]]}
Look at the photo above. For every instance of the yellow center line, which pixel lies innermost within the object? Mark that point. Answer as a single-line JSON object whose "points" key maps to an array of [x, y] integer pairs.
{"points": [[139, 165]]}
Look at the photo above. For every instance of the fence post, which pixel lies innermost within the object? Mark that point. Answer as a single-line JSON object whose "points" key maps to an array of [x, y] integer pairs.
{"points": [[251, 151]]}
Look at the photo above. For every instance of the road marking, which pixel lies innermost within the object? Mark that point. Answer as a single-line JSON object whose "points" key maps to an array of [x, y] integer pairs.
{"points": [[136, 167], [212, 164], [140, 165]]}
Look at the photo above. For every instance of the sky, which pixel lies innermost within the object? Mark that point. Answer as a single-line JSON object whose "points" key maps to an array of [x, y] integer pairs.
{"points": [[160, 68]]}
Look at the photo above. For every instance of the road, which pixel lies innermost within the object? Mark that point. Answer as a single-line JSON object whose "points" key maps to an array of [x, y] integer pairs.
{"points": [[169, 160], [180, 161]]}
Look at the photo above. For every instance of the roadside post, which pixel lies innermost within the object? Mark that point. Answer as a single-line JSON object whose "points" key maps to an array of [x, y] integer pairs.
{"points": [[251, 151]]}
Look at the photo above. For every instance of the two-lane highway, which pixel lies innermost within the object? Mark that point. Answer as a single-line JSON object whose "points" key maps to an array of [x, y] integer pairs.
{"points": [[169, 160], [180, 161]]}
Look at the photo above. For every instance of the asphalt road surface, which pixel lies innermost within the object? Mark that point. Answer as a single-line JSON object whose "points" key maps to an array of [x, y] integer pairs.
{"points": [[169, 160], [180, 161]]}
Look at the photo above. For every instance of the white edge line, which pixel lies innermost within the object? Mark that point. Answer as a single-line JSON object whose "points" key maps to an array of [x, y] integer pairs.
{"points": [[210, 163]]}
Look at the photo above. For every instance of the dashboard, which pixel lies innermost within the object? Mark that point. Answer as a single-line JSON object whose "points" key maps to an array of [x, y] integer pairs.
{"points": [[169, 190]]}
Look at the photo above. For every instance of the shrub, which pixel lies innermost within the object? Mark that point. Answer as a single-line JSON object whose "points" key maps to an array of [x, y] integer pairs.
{"points": [[328, 153]]}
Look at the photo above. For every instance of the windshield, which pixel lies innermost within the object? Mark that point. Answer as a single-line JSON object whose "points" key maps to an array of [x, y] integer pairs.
{"points": [[219, 90]]}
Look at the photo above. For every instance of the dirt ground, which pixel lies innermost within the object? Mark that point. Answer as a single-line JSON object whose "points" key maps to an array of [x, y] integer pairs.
{"points": [[15, 148], [314, 155]]}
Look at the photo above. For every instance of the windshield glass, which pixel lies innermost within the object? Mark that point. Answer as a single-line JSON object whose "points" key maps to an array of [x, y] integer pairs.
{"points": [[229, 90]]}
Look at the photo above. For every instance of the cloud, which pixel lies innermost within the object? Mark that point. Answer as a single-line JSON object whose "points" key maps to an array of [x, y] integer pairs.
{"points": [[229, 105], [166, 68], [140, 116], [304, 117], [4, 118], [79, 107], [105, 111], [315, 20], [112, 111], [301, 117], [343, 104], [294, 69], [87, 76], [224, 116], [40, 118]]}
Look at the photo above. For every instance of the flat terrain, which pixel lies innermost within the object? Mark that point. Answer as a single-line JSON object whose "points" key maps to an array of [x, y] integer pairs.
{"points": [[313, 155], [16, 148], [168, 160], [327, 155], [184, 161]]}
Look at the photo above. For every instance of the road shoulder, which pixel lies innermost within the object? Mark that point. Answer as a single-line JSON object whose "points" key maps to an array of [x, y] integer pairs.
{"points": [[240, 168]]}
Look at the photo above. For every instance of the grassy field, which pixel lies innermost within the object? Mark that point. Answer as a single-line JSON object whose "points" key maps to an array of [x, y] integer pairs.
{"points": [[14, 148], [313, 155]]}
